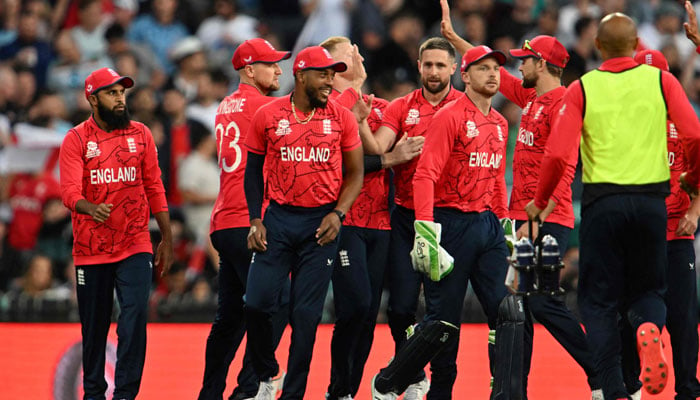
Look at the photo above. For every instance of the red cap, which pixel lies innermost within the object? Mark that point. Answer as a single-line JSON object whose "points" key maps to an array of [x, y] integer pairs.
{"points": [[105, 77], [545, 47], [316, 57], [652, 57], [257, 50], [478, 53]]}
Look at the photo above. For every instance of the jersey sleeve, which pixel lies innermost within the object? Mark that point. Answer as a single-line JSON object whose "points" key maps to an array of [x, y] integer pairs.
{"points": [[436, 151], [500, 207], [255, 137], [564, 187], [513, 89], [393, 114], [71, 165], [150, 169], [350, 137], [684, 118], [562, 146], [347, 98]]}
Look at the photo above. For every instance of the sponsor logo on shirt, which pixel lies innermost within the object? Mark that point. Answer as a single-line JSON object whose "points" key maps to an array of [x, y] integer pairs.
{"points": [[413, 117], [472, 130], [379, 113], [92, 150], [672, 132], [327, 127], [283, 128], [526, 137], [303, 154], [483, 159], [112, 175], [132, 145]]}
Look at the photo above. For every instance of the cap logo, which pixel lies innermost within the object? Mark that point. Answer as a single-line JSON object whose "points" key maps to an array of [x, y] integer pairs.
{"points": [[248, 59], [111, 71], [89, 88], [301, 64]]}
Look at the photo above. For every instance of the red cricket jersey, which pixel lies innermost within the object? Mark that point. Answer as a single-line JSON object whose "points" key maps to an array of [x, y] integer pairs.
{"points": [[232, 122], [570, 121], [463, 163], [411, 114], [678, 202], [371, 208], [27, 196], [303, 161], [118, 168], [535, 127]]}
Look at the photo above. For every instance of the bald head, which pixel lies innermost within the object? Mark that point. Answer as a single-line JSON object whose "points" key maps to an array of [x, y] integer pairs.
{"points": [[617, 36]]}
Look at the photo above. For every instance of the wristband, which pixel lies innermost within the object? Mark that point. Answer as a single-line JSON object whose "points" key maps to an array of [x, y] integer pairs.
{"points": [[340, 214]]}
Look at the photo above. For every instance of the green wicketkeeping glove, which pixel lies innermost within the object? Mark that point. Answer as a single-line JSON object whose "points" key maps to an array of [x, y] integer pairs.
{"points": [[509, 231], [427, 255]]}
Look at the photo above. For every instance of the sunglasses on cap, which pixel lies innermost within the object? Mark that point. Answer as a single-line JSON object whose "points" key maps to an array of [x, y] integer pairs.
{"points": [[526, 46]]}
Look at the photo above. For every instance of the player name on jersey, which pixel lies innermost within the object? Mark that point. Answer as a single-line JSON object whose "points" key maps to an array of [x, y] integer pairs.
{"points": [[231, 105], [112, 175], [303, 154]]}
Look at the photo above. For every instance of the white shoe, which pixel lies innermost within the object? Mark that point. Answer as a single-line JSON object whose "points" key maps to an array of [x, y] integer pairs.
{"points": [[637, 395], [269, 389], [417, 390], [348, 397], [376, 395], [597, 394]]}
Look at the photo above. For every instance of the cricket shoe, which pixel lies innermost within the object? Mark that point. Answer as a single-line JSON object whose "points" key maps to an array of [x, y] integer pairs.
{"points": [[377, 395], [597, 394], [418, 390], [651, 354], [269, 389], [637, 395]]}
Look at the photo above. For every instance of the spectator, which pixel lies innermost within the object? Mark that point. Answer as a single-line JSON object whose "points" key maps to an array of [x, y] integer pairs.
{"points": [[203, 109], [226, 29], [188, 55], [29, 50], [666, 28], [125, 11], [569, 14], [149, 66], [584, 56], [89, 33], [9, 14], [55, 236], [142, 104], [158, 31]]}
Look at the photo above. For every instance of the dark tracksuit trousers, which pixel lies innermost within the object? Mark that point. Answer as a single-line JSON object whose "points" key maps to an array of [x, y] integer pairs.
{"points": [[131, 277], [477, 243], [357, 279], [228, 328], [553, 314], [291, 247], [622, 267], [681, 321]]}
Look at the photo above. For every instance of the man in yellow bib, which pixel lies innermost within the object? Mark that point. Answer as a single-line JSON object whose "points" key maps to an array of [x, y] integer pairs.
{"points": [[618, 115]]}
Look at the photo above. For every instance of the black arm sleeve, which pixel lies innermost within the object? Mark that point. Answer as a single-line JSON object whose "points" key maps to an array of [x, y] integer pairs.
{"points": [[253, 184], [373, 163]]}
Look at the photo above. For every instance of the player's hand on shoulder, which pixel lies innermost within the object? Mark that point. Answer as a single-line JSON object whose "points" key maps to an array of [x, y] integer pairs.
{"points": [[407, 148], [257, 236], [329, 228]]}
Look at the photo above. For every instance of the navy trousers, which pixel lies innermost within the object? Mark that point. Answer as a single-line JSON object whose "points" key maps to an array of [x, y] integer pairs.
{"points": [[96, 284], [357, 279], [553, 314], [622, 267], [478, 246], [291, 248], [228, 328]]}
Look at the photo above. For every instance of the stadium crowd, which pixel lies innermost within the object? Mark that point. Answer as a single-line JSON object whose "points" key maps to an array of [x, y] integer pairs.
{"points": [[179, 54]]}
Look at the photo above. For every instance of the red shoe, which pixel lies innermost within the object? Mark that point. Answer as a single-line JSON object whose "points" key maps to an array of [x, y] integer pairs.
{"points": [[651, 354]]}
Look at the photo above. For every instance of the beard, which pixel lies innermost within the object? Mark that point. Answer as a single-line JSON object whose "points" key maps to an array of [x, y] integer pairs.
{"points": [[440, 87], [114, 119], [529, 82], [485, 91], [314, 99]]}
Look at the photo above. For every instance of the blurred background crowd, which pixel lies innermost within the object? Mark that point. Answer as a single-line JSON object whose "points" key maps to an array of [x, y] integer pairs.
{"points": [[179, 54]]}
